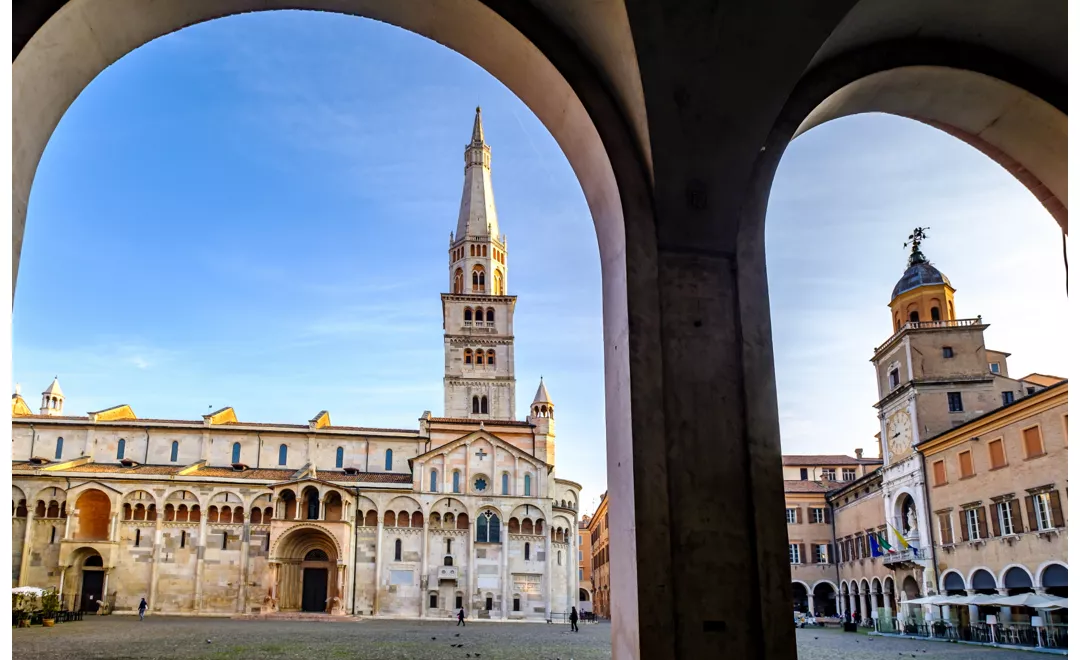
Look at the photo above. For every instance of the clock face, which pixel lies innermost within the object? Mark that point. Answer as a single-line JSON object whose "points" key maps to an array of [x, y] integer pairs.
{"points": [[898, 430]]}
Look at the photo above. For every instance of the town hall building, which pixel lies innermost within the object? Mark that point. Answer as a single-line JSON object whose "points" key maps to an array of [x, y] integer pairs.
{"points": [[223, 516]]}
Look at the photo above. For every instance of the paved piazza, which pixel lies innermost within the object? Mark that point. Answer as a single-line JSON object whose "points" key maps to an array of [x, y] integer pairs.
{"points": [[122, 638]]}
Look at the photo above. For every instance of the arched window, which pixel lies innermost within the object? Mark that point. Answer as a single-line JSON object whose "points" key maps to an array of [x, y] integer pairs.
{"points": [[498, 288], [397, 550], [935, 314], [459, 281], [490, 315], [528, 485], [526, 551], [389, 464], [468, 314], [478, 278], [483, 405], [120, 449], [457, 481], [282, 455], [560, 557], [505, 484], [59, 448], [434, 480], [468, 356], [484, 247], [236, 452], [472, 250], [914, 316], [491, 358], [175, 452], [339, 457], [476, 404]]}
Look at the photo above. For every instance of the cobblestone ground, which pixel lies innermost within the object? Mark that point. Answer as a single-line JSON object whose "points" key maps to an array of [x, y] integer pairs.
{"points": [[181, 638]]}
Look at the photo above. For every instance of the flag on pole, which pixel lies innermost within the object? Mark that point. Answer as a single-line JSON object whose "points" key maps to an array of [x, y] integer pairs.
{"points": [[883, 542], [875, 549], [900, 538]]}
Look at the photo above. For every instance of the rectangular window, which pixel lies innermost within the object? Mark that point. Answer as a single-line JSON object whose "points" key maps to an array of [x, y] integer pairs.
{"points": [[517, 604], [997, 454], [1033, 442], [971, 523], [894, 379], [817, 515], [457, 602], [183, 539], [946, 351], [828, 474], [138, 536], [1044, 518], [581, 574], [995, 368], [939, 473], [1007, 397], [849, 474], [791, 516], [821, 553], [967, 467], [803, 474], [433, 601], [793, 553], [945, 528], [956, 402], [1005, 523]]}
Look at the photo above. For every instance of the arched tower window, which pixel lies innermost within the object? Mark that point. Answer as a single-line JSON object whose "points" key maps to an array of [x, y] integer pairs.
{"points": [[389, 465], [174, 453], [483, 405], [528, 485], [505, 484], [339, 458], [459, 281], [59, 448], [468, 314], [236, 452], [935, 314], [526, 551], [434, 481], [468, 356], [498, 288], [283, 454], [478, 279], [490, 315], [914, 316], [397, 550], [476, 405], [472, 250], [120, 446], [491, 358]]}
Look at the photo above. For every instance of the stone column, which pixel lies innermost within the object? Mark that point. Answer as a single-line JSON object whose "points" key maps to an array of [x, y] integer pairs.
{"points": [[68, 523], [471, 581], [60, 590], [504, 573], [105, 590], [28, 537], [888, 605], [571, 570], [200, 553], [851, 603], [547, 581], [425, 579], [245, 544], [159, 540], [378, 567], [810, 602], [1005, 615], [973, 610], [865, 614]]}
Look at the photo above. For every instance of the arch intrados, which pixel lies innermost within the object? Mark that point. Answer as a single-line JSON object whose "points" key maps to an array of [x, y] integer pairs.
{"points": [[45, 494], [1005, 571], [220, 497], [945, 576], [1045, 567], [975, 571], [175, 495], [403, 503], [303, 539]]}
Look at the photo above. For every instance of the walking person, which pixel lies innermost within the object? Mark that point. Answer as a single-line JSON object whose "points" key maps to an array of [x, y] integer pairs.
{"points": [[142, 608], [573, 619], [461, 617]]}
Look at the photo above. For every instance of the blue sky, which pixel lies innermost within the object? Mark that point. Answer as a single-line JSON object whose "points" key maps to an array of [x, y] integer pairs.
{"points": [[255, 212]]}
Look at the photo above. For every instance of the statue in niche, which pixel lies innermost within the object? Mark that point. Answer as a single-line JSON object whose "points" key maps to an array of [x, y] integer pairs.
{"points": [[911, 520]]}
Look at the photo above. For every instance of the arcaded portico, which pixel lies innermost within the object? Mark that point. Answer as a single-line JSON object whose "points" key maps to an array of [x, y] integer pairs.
{"points": [[674, 115]]}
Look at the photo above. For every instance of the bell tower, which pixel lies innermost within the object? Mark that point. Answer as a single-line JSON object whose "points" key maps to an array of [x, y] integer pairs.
{"points": [[478, 316], [52, 400]]}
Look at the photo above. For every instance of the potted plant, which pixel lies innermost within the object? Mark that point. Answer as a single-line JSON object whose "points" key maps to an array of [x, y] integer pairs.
{"points": [[50, 605], [24, 602]]}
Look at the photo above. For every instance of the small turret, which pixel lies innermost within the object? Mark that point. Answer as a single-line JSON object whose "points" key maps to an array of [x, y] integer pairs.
{"points": [[52, 399], [542, 417]]}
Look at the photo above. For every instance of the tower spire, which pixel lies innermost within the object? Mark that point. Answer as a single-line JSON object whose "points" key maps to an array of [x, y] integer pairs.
{"points": [[476, 216]]}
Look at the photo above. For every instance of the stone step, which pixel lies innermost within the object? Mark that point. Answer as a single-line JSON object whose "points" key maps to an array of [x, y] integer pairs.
{"points": [[296, 616]]}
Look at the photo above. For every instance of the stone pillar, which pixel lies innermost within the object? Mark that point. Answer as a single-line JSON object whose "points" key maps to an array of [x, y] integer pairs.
{"points": [[973, 610], [425, 579], [68, 523], [851, 603], [159, 540], [888, 605], [471, 578], [571, 570], [547, 581], [810, 602], [1005, 615], [378, 567], [60, 590], [200, 554], [245, 543], [504, 573], [28, 537], [865, 613]]}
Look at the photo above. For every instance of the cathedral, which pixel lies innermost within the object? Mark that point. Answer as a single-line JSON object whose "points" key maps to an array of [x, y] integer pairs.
{"points": [[218, 516]]}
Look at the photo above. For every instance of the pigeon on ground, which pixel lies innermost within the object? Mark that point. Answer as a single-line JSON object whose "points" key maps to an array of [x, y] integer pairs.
{"points": [[433, 639], [207, 641], [457, 634]]}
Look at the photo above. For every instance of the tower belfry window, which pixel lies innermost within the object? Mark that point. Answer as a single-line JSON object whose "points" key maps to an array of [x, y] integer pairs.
{"points": [[483, 405]]}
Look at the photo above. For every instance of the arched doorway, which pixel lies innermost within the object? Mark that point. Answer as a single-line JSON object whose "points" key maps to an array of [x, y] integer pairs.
{"points": [[307, 572], [94, 516], [92, 584], [799, 593], [824, 599]]}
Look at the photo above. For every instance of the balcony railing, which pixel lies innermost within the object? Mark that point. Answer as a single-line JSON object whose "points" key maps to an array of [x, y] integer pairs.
{"points": [[926, 325], [901, 556], [448, 573]]}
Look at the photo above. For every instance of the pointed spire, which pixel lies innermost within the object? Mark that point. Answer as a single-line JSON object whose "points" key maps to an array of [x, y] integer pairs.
{"points": [[542, 395], [477, 217], [54, 389]]}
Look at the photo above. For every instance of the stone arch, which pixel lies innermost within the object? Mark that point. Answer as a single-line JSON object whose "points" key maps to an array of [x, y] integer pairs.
{"points": [[800, 594], [182, 494], [864, 586], [301, 539], [95, 509], [1016, 576], [981, 577], [952, 580], [1054, 567]]}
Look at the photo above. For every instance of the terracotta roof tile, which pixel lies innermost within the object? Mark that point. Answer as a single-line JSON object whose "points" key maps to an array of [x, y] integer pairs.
{"points": [[368, 429], [269, 474], [828, 460], [491, 422], [120, 469], [797, 486], [264, 424], [367, 477]]}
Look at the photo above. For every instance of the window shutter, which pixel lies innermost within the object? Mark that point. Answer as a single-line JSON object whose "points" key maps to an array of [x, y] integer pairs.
{"points": [[963, 525], [831, 550], [1014, 512], [798, 516], [995, 518], [828, 513], [802, 553], [1032, 521], [946, 533], [981, 513], [1055, 509]]}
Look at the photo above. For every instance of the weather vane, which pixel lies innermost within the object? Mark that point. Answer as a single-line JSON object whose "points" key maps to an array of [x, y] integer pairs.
{"points": [[915, 240]]}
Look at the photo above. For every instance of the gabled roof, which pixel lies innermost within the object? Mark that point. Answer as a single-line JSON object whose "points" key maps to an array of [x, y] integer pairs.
{"points": [[1045, 380], [479, 433], [542, 395], [116, 413], [54, 389]]}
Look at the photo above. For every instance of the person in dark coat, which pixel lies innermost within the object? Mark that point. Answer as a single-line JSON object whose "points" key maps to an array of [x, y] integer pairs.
{"points": [[461, 617], [142, 608], [573, 619]]}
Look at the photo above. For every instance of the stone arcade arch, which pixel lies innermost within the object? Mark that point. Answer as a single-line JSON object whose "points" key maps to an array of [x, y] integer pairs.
{"points": [[306, 569], [678, 195]]}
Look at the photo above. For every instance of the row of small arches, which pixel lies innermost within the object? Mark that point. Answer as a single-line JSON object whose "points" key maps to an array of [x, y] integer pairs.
{"points": [[479, 314], [455, 479], [53, 509], [479, 281], [477, 357], [480, 405]]}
